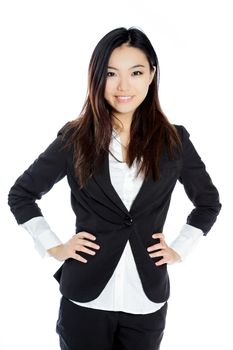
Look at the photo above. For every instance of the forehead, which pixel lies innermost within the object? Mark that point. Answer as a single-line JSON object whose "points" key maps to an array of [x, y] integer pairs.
{"points": [[127, 56]]}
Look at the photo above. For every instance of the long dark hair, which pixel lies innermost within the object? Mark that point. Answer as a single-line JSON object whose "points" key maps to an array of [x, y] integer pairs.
{"points": [[150, 132]]}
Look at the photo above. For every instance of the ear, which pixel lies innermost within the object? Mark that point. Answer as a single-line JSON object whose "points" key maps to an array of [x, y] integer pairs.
{"points": [[152, 74]]}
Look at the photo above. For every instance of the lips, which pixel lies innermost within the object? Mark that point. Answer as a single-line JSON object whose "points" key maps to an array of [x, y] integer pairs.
{"points": [[124, 99]]}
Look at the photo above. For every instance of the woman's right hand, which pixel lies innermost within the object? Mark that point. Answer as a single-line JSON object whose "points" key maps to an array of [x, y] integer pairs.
{"points": [[77, 243]]}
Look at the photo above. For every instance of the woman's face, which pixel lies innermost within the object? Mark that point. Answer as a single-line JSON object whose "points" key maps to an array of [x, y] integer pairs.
{"points": [[128, 80]]}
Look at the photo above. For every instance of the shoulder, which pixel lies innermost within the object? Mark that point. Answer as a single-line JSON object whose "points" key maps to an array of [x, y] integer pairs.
{"points": [[183, 134], [64, 135], [182, 131], [59, 145], [70, 130], [65, 131]]}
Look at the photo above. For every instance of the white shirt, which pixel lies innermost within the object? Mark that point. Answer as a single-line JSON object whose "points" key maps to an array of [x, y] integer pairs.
{"points": [[124, 291]]}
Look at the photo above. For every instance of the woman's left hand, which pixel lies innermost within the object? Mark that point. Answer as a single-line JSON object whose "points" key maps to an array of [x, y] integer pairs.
{"points": [[169, 256]]}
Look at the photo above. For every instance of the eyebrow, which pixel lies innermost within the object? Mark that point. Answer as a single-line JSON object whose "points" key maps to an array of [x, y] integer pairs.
{"points": [[136, 66]]}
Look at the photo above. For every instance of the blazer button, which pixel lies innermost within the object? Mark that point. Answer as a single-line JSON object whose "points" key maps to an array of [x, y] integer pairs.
{"points": [[128, 221]]}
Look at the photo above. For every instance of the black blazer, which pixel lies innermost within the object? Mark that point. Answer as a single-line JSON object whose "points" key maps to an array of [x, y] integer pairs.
{"points": [[100, 211]]}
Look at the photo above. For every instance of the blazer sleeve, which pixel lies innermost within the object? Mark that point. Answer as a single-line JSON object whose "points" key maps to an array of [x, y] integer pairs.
{"points": [[49, 168], [198, 186]]}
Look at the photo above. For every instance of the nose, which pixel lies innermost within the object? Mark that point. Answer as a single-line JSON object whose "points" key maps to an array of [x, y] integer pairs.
{"points": [[123, 84]]}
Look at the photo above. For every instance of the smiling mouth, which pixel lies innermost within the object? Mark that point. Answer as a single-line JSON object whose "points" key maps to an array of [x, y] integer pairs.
{"points": [[124, 98]]}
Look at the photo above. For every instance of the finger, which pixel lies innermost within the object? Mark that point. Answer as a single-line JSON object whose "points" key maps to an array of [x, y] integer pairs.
{"points": [[81, 248], [162, 253], [161, 262], [87, 243], [167, 259], [84, 234], [156, 247], [78, 257], [159, 235]]}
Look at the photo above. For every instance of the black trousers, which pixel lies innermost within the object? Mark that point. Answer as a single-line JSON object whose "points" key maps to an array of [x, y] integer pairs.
{"points": [[82, 328]]}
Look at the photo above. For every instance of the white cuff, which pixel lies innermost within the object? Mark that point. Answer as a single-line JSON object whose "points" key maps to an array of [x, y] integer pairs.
{"points": [[187, 240], [44, 238]]}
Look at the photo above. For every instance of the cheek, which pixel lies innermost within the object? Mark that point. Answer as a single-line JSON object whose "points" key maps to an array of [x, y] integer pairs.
{"points": [[143, 88], [108, 90]]}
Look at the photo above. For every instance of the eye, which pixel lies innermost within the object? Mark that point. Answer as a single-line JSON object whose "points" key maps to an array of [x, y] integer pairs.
{"points": [[110, 74], [137, 72]]}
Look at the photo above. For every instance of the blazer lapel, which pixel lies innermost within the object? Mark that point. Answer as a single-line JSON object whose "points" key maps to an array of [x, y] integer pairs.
{"points": [[143, 196], [102, 177]]}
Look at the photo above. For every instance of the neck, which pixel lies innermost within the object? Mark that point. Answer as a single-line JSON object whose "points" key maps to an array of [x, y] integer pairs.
{"points": [[122, 123]]}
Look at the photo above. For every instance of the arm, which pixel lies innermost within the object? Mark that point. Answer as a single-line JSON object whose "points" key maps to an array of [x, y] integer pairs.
{"points": [[198, 187], [205, 198], [49, 168], [38, 179]]}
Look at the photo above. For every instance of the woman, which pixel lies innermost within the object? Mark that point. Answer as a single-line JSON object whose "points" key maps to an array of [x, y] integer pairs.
{"points": [[122, 159]]}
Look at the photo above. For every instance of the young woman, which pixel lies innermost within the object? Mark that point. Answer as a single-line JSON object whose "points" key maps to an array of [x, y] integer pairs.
{"points": [[122, 159]]}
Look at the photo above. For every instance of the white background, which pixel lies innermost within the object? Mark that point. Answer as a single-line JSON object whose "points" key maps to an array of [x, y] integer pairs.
{"points": [[45, 50]]}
